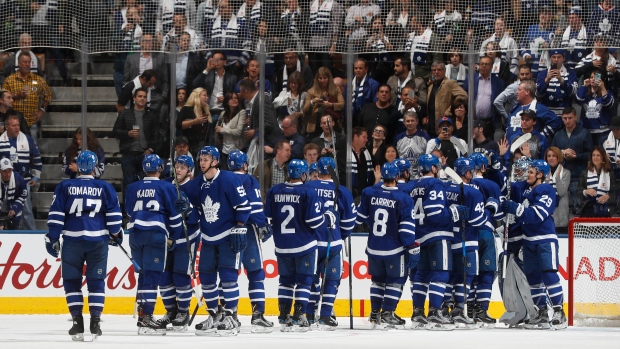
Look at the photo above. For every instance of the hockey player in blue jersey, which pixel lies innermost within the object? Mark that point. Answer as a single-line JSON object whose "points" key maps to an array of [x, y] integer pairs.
{"points": [[155, 226], [175, 285], [404, 183], [330, 247], [477, 224], [434, 224], [495, 171], [392, 249], [258, 231], [540, 246], [224, 210], [86, 212], [296, 212]]}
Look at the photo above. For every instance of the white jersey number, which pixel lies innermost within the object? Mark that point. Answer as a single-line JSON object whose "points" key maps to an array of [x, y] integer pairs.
{"points": [[151, 205], [92, 205], [418, 212], [379, 227], [291, 212]]}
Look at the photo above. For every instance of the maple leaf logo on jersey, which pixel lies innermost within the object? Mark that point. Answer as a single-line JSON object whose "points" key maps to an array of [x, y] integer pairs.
{"points": [[210, 209]]}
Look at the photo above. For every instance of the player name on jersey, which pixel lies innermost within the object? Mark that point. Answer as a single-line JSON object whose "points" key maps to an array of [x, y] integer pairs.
{"points": [[286, 198], [383, 202], [145, 193], [325, 193], [84, 191], [418, 192]]}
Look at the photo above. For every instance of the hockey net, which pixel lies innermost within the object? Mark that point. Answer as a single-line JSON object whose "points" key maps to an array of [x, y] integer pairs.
{"points": [[594, 272]]}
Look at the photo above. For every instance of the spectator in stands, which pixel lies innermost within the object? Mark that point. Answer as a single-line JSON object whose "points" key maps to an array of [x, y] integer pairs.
{"points": [[13, 196], [403, 77], [482, 143], [292, 64], [411, 143], [10, 62], [326, 17], [137, 63], [575, 143], [147, 80], [28, 91], [362, 174], [377, 144], [188, 64], [575, 39], [181, 147], [136, 130], [252, 72], [195, 120], [224, 35], [249, 15], [292, 23], [249, 93], [456, 70], [547, 123], [483, 15], [46, 27], [446, 18], [450, 146], [363, 88], [6, 109], [559, 179], [597, 185], [556, 87], [358, 21], [507, 45], [168, 8], [419, 46], [612, 145], [399, 15], [536, 40], [289, 133], [341, 84], [128, 34], [180, 26], [501, 67], [332, 145], [264, 37], [24, 154], [229, 127], [597, 107], [379, 47], [69, 167], [323, 98], [291, 100], [408, 102], [440, 97], [216, 81], [458, 110], [276, 168], [508, 98], [599, 60], [605, 19], [379, 112], [311, 153], [486, 88]]}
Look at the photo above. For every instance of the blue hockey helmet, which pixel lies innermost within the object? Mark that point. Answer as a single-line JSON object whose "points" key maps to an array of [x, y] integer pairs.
{"points": [[403, 165], [324, 163], [427, 161], [185, 160], [389, 170], [314, 167], [297, 168], [463, 165], [236, 159], [479, 160], [211, 151], [86, 162], [152, 163], [541, 166]]}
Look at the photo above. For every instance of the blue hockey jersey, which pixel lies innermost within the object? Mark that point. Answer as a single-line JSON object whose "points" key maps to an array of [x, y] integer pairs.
{"points": [[547, 123], [432, 216], [150, 206], [474, 201], [596, 111], [389, 214], [84, 208], [192, 218], [407, 187], [222, 203], [346, 210], [252, 190], [296, 213], [537, 218], [498, 177], [489, 189], [515, 233]]}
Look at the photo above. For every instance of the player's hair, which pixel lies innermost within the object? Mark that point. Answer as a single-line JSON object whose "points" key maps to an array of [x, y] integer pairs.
{"points": [[140, 89], [310, 146], [556, 151], [605, 165], [91, 141], [193, 101], [569, 110]]}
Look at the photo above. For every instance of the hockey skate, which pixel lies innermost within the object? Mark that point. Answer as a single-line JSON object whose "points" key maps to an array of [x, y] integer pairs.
{"points": [[286, 323], [438, 322], [375, 320], [300, 323], [540, 322], [312, 321], [260, 324], [179, 323], [77, 330], [327, 323], [390, 321], [471, 309], [95, 328], [228, 326], [461, 320], [209, 326], [418, 319], [167, 318], [559, 321], [482, 318], [148, 326]]}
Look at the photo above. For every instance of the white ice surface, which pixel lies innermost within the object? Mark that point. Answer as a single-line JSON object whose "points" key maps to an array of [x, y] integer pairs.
{"points": [[119, 331]]}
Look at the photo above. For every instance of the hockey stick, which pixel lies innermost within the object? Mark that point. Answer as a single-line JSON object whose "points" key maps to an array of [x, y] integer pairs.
{"points": [[136, 267], [332, 173], [455, 177], [455, 141]]}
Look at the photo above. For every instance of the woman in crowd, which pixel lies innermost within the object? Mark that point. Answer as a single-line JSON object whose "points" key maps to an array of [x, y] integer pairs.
{"points": [[597, 184], [181, 100], [601, 60], [377, 145], [559, 179], [230, 128], [389, 154], [69, 167], [291, 101], [597, 105], [195, 119], [501, 67], [324, 97], [458, 109]]}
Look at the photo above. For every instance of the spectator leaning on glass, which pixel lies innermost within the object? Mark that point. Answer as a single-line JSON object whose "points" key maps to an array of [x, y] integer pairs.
{"points": [[597, 185], [195, 120], [559, 179], [69, 167]]}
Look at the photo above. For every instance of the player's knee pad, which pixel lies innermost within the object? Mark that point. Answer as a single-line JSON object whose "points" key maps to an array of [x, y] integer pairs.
{"points": [[303, 279], [208, 278], [394, 281], [423, 276], [486, 277], [74, 285], [332, 283], [151, 277], [181, 280], [256, 275], [379, 280], [441, 276], [166, 278], [550, 277], [95, 285], [228, 275], [288, 280]]}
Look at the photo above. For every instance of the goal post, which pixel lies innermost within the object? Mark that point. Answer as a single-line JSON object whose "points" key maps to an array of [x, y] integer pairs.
{"points": [[594, 272]]}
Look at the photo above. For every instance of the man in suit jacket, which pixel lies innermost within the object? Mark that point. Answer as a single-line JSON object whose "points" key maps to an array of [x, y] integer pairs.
{"points": [[216, 88], [249, 93], [192, 62], [403, 77], [137, 63], [441, 94], [484, 96]]}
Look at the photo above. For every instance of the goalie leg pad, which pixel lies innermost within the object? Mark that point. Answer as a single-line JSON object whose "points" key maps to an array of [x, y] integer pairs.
{"points": [[516, 295]]}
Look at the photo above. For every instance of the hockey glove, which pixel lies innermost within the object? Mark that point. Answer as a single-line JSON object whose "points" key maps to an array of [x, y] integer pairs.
{"points": [[413, 256], [238, 240], [52, 246], [332, 218], [265, 232], [459, 212], [492, 205], [171, 244], [116, 239], [182, 204], [511, 207]]}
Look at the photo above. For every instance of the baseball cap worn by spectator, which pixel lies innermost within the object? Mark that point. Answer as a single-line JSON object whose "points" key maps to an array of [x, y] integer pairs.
{"points": [[479, 123], [445, 120], [5, 164], [181, 140], [530, 113]]}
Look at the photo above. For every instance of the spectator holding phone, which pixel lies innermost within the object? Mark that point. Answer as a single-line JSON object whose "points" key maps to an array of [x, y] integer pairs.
{"points": [[556, 86], [597, 104]]}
